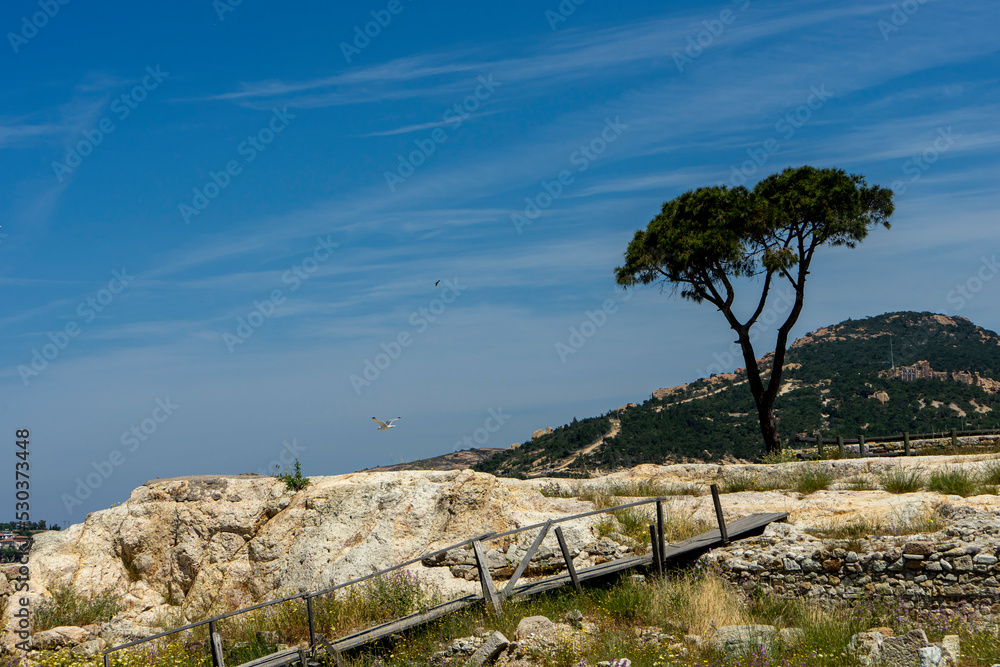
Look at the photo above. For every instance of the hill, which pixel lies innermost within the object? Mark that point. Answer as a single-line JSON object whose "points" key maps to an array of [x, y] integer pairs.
{"points": [[459, 460], [918, 372]]}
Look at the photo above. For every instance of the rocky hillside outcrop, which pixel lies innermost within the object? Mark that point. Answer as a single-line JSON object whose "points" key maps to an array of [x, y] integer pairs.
{"points": [[205, 543]]}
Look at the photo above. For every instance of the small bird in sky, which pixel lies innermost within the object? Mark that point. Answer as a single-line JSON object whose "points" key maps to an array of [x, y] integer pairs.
{"points": [[436, 284], [384, 425]]}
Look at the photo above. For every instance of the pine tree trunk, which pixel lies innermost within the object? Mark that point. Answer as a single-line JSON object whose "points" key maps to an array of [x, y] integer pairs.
{"points": [[769, 428]]}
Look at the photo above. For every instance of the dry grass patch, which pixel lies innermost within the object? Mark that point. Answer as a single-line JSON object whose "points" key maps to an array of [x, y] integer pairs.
{"points": [[749, 481], [697, 603], [650, 488], [860, 483], [868, 526]]}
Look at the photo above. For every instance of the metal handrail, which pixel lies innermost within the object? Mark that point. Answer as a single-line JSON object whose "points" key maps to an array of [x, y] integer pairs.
{"points": [[314, 594]]}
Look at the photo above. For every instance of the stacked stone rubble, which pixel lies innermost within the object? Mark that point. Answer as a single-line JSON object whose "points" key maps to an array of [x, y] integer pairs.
{"points": [[958, 567]]}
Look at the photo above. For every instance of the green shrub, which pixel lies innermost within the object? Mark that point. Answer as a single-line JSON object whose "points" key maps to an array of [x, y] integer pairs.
{"points": [[295, 481], [785, 455], [68, 608]]}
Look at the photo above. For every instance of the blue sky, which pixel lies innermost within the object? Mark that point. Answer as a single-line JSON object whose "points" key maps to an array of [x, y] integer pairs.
{"points": [[216, 214]]}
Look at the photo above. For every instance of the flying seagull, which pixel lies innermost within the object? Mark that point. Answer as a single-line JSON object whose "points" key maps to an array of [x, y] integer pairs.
{"points": [[384, 425]]}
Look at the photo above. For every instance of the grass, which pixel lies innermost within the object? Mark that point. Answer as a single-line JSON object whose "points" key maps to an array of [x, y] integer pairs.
{"points": [[805, 481], [954, 482], [899, 480], [68, 608], [812, 480], [557, 490], [748, 481], [983, 647], [602, 495], [990, 475], [633, 523], [697, 602], [373, 601], [864, 527], [860, 483], [989, 478], [649, 488]]}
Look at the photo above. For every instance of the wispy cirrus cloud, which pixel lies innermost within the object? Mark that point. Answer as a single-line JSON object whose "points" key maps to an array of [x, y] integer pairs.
{"points": [[571, 55], [50, 125], [16, 132], [407, 129]]}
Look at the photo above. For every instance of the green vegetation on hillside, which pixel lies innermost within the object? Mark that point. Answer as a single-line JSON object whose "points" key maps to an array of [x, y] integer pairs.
{"points": [[550, 448], [830, 384]]}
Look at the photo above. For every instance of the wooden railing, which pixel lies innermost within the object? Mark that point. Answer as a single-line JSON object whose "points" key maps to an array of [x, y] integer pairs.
{"points": [[905, 437], [490, 595]]}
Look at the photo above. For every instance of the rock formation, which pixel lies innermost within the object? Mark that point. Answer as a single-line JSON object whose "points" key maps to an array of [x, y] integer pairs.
{"points": [[207, 543], [922, 371]]}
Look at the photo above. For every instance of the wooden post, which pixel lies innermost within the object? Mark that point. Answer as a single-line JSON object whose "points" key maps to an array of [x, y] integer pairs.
{"points": [[654, 547], [954, 440], [312, 622], [718, 514], [568, 559], [659, 528], [861, 446], [819, 443], [508, 590], [840, 445], [906, 443], [489, 593], [106, 660], [216, 644]]}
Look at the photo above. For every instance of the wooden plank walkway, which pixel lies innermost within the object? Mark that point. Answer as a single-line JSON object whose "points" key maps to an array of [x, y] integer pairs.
{"points": [[691, 549], [688, 549]]}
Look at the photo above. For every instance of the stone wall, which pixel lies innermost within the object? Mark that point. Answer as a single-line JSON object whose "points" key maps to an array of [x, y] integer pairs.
{"points": [[956, 567]]}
